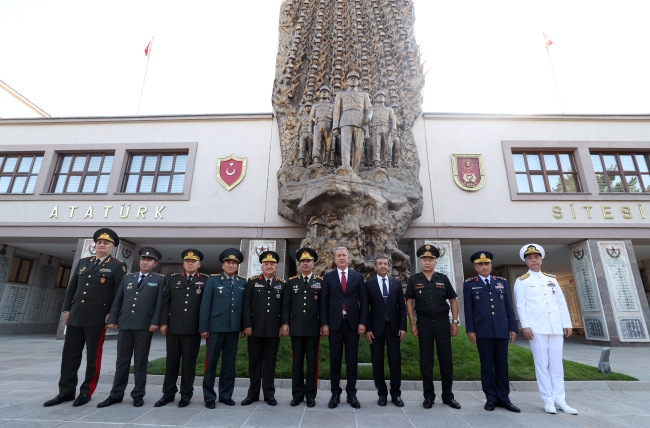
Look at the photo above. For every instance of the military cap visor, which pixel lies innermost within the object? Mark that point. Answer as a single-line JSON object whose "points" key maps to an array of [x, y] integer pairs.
{"points": [[231, 254], [192, 254], [269, 256], [482, 257], [428, 251], [306, 254], [106, 234], [531, 249], [149, 253]]}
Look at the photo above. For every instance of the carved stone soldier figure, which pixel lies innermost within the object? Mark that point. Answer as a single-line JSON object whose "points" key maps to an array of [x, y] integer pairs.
{"points": [[383, 126], [321, 120], [305, 136], [352, 112]]}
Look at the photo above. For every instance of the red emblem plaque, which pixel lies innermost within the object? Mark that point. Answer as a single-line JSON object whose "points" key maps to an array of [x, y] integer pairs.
{"points": [[231, 171], [468, 171]]}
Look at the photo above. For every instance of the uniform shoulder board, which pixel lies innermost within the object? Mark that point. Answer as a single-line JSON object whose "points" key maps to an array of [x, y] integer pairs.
{"points": [[501, 278], [118, 260], [254, 277], [319, 278], [282, 280], [205, 275], [175, 274], [215, 274], [123, 268], [548, 274], [294, 277], [471, 279], [524, 276], [239, 277]]}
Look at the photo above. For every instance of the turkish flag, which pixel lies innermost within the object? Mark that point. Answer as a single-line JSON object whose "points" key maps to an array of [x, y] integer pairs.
{"points": [[147, 50], [548, 41]]}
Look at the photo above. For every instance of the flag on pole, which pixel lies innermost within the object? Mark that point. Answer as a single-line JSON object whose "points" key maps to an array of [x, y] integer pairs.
{"points": [[147, 50], [547, 41]]}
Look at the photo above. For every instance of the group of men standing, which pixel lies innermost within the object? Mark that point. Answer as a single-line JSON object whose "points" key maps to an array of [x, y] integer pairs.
{"points": [[342, 306]]}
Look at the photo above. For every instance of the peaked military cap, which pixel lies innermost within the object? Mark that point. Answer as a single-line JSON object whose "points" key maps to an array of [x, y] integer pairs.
{"points": [[353, 72], [231, 254], [149, 253], [306, 254], [106, 234], [429, 251], [192, 254], [531, 249], [482, 257], [269, 256]]}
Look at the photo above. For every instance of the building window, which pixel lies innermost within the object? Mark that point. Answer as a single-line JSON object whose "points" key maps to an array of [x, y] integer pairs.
{"points": [[63, 276], [621, 172], [546, 172], [82, 173], [155, 173], [21, 268], [18, 173]]}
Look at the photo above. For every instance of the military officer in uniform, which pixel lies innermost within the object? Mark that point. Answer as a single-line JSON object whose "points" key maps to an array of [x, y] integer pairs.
{"points": [[430, 291], [384, 124], [266, 318], [490, 322], [545, 319], [305, 136], [136, 311], [321, 119], [220, 324], [304, 325], [88, 301], [180, 324]]}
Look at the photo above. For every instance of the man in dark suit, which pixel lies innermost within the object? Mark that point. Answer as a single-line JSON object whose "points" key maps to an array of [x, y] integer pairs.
{"points": [[386, 325], [88, 301], [136, 310], [266, 318], [220, 324], [343, 317], [490, 322], [305, 329], [180, 324]]}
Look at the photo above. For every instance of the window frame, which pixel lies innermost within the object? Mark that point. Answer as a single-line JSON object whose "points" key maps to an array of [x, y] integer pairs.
{"points": [[20, 259], [83, 174], [28, 175], [544, 172], [59, 281], [621, 172], [155, 174]]}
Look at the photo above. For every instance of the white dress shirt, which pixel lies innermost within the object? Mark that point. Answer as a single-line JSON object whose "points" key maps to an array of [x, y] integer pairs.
{"points": [[381, 288], [347, 278], [541, 305]]}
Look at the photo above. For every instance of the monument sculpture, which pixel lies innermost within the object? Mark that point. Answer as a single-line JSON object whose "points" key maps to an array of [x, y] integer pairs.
{"points": [[357, 185]]}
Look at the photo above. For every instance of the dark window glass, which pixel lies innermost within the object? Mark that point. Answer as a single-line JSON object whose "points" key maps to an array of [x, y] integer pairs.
{"points": [[63, 276], [155, 173], [18, 173], [621, 172], [546, 172], [82, 173]]}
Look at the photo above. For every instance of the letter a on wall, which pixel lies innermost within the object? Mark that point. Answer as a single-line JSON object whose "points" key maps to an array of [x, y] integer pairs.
{"points": [[231, 171]]}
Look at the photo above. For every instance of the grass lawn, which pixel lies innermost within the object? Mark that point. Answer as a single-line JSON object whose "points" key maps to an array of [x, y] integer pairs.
{"points": [[465, 355]]}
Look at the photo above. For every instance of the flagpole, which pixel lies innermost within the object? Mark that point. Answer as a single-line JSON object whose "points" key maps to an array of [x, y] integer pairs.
{"points": [[554, 79], [145, 76]]}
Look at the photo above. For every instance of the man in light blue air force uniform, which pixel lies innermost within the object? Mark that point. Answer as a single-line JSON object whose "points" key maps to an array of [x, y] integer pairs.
{"points": [[220, 323]]}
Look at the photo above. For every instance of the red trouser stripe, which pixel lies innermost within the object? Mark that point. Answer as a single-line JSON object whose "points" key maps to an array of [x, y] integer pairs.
{"points": [[98, 363], [207, 353]]}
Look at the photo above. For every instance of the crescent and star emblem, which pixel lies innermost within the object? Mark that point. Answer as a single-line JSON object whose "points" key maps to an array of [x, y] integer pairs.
{"points": [[233, 170]]}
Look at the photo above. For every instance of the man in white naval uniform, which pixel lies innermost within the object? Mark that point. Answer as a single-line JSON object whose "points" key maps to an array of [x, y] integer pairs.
{"points": [[544, 318]]}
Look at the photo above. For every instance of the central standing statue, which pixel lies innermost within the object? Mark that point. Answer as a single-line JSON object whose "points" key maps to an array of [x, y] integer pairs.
{"points": [[352, 113]]}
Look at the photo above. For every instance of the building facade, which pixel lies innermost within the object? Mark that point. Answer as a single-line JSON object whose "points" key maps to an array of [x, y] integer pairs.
{"points": [[578, 185]]}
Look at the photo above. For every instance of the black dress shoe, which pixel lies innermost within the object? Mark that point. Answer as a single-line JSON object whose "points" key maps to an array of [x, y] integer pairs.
{"points": [[183, 402], [452, 403], [81, 400], [509, 406], [109, 402], [248, 400], [428, 403], [210, 404], [163, 402], [297, 401], [227, 401], [398, 401], [311, 402], [271, 401], [138, 402], [382, 401], [352, 399], [490, 406], [61, 398], [334, 401]]}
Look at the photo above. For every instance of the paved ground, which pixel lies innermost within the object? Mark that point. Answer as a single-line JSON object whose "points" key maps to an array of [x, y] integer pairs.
{"points": [[29, 372]]}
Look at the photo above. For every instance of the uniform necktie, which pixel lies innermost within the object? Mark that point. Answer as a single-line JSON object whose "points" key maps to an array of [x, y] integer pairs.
{"points": [[96, 262], [268, 284], [189, 279], [385, 294], [141, 279], [344, 285], [487, 282], [231, 284], [306, 280]]}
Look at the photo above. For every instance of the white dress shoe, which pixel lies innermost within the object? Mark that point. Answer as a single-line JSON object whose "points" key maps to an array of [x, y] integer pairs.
{"points": [[549, 407], [566, 408]]}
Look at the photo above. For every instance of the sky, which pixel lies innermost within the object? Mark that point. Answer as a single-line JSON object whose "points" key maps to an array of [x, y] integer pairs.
{"points": [[86, 57]]}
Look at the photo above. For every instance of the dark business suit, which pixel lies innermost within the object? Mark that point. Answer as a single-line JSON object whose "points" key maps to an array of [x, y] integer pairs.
{"points": [[136, 307], [221, 316], [343, 329], [489, 313], [386, 317], [180, 312], [89, 298]]}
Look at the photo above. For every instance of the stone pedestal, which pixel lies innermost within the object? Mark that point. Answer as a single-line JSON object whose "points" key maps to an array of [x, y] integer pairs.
{"points": [[609, 288], [252, 248]]}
